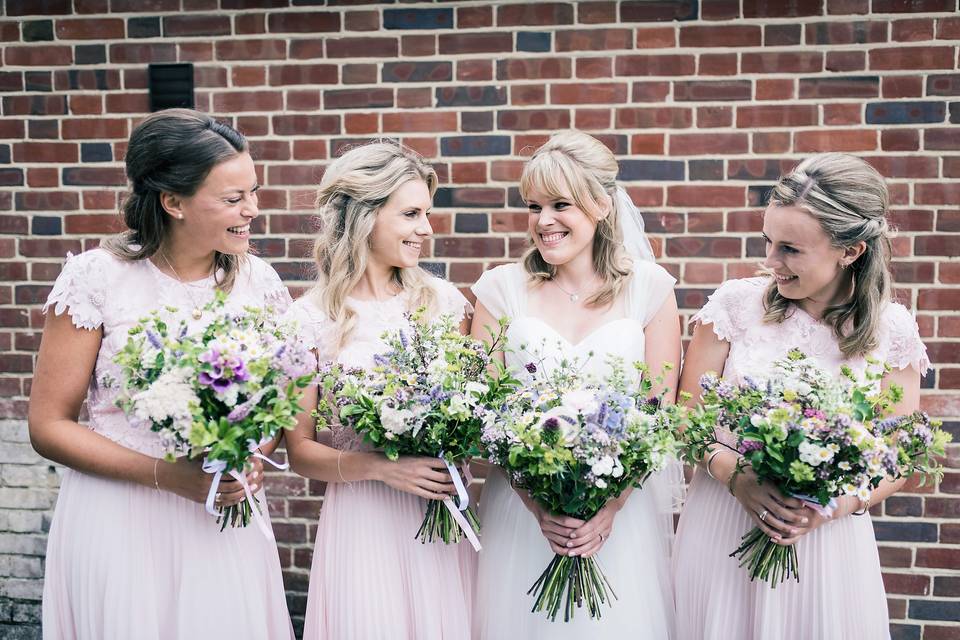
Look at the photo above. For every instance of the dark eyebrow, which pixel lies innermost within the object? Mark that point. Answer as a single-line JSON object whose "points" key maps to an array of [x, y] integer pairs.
{"points": [[767, 238]]}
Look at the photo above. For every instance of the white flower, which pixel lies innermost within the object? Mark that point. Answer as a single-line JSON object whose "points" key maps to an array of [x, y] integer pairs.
{"points": [[458, 408], [601, 483], [581, 401], [567, 423], [437, 367], [396, 421], [476, 388], [617, 470], [602, 467], [169, 397], [843, 465], [863, 493]]}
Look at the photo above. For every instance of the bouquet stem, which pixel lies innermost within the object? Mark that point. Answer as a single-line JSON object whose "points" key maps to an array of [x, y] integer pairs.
{"points": [[765, 559], [438, 524], [237, 515], [568, 582]]}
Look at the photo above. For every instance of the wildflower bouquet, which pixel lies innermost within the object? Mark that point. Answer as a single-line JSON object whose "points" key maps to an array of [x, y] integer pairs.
{"points": [[815, 437], [221, 392], [424, 396], [574, 443]]}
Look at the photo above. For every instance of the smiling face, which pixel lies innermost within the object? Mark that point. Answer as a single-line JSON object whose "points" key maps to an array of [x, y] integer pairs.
{"points": [[801, 256], [220, 212], [560, 230], [401, 226]]}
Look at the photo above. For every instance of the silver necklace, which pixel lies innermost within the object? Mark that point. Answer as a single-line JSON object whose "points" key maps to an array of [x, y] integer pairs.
{"points": [[197, 312], [574, 297]]}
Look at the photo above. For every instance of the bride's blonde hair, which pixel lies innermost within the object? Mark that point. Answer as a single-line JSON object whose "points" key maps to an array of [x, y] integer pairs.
{"points": [[354, 188], [573, 165]]}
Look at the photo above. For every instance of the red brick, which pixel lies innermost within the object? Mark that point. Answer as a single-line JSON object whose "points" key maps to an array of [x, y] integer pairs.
{"points": [[938, 558], [251, 49], [301, 125], [593, 39], [421, 45], [506, 170], [845, 61], [474, 70], [289, 74], [776, 116], [249, 23], [900, 140], [354, 123], [778, 9], [196, 25], [649, 91], [99, 29], [942, 139], [45, 152], [782, 62], [524, 95], [421, 122], [775, 89], [654, 117], [303, 22], [414, 98], [948, 28], [593, 93], [293, 175], [138, 52], [835, 140], [654, 65], [939, 299], [594, 68], [235, 101], [462, 43], [655, 37], [44, 56], [102, 224], [703, 247], [695, 144], [534, 68], [913, 30], [361, 21], [127, 102], [592, 119], [934, 193], [306, 49], [472, 17], [912, 58], [38, 105], [721, 36], [706, 196], [469, 247], [907, 584], [902, 86], [92, 128], [713, 117], [910, 6], [534, 14], [837, 32], [43, 177], [718, 64]]}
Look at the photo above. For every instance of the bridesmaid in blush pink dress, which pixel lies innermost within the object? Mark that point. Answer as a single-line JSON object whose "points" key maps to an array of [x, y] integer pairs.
{"points": [[828, 293], [132, 553], [371, 578]]}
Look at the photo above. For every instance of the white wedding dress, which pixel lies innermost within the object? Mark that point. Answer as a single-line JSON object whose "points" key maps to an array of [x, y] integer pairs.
{"points": [[636, 557]]}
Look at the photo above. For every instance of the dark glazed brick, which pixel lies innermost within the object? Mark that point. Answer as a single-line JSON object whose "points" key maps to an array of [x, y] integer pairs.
{"points": [[631, 170], [706, 169], [935, 610], [471, 96], [533, 41], [96, 152], [905, 531], [475, 121], [37, 30], [90, 53], [471, 223], [943, 85], [658, 10], [475, 146], [143, 28], [46, 226], [905, 112], [417, 71], [418, 18]]}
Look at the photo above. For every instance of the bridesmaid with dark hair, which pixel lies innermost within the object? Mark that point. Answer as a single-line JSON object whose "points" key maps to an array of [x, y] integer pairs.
{"points": [[132, 553]]}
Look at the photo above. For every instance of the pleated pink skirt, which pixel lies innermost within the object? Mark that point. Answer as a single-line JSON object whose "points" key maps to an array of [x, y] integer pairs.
{"points": [[372, 579], [840, 595], [126, 561]]}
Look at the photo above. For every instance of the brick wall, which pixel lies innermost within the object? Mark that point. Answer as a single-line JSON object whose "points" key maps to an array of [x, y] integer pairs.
{"points": [[705, 103]]}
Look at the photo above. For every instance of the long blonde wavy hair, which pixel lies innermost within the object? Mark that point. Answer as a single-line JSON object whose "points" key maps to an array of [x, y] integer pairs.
{"points": [[849, 199], [576, 166], [351, 194]]}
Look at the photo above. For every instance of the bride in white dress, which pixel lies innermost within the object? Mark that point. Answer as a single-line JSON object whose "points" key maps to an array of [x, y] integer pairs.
{"points": [[577, 293]]}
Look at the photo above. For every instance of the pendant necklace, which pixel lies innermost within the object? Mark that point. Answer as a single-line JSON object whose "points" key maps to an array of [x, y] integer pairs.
{"points": [[197, 312], [574, 297]]}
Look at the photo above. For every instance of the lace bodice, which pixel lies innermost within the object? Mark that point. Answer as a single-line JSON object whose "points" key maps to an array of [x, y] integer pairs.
{"points": [[503, 291], [97, 289], [735, 310], [374, 318]]}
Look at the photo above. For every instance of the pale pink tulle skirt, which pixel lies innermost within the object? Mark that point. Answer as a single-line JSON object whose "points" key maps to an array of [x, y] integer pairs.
{"points": [[840, 595], [125, 561], [371, 579]]}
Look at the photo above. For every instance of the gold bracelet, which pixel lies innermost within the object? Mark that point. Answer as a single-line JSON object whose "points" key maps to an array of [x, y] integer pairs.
{"points": [[737, 470], [862, 510], [156, 480], [340, 473]]}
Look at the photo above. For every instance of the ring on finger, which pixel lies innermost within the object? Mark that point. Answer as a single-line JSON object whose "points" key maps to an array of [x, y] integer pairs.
{"points": [[219, 498], [763, 515]]}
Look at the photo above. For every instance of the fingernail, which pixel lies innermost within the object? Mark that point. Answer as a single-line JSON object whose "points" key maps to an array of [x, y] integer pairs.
{"points": [[803, 521], [793, 532], [573, 535], [569, 544]]}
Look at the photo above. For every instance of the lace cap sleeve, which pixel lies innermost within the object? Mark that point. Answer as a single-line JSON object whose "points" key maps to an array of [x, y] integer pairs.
{"points": [[80, 289], [269, 285], [649, 289], [450, 300], [309, 322], [905, 347], [498, 290], [725, 307]]}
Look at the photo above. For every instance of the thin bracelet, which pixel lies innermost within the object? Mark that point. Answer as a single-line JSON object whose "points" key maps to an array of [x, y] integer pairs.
{"points": [[156, 480], [737, 470], [340, 473], [713, 455], [862, 510]]}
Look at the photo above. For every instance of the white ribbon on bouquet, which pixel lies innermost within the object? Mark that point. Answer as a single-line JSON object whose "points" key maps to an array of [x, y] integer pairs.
{"points": [[218, 467], [463, 501]]}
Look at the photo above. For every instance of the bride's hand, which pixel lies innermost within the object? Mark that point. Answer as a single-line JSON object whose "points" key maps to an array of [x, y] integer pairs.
{"points": [[555, 528], [588, 539]]}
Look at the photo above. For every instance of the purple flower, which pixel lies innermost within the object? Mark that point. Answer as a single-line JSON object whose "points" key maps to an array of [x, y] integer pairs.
{"points": [[551, 424], [747, 446], [154, 340], [530, 367]]}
